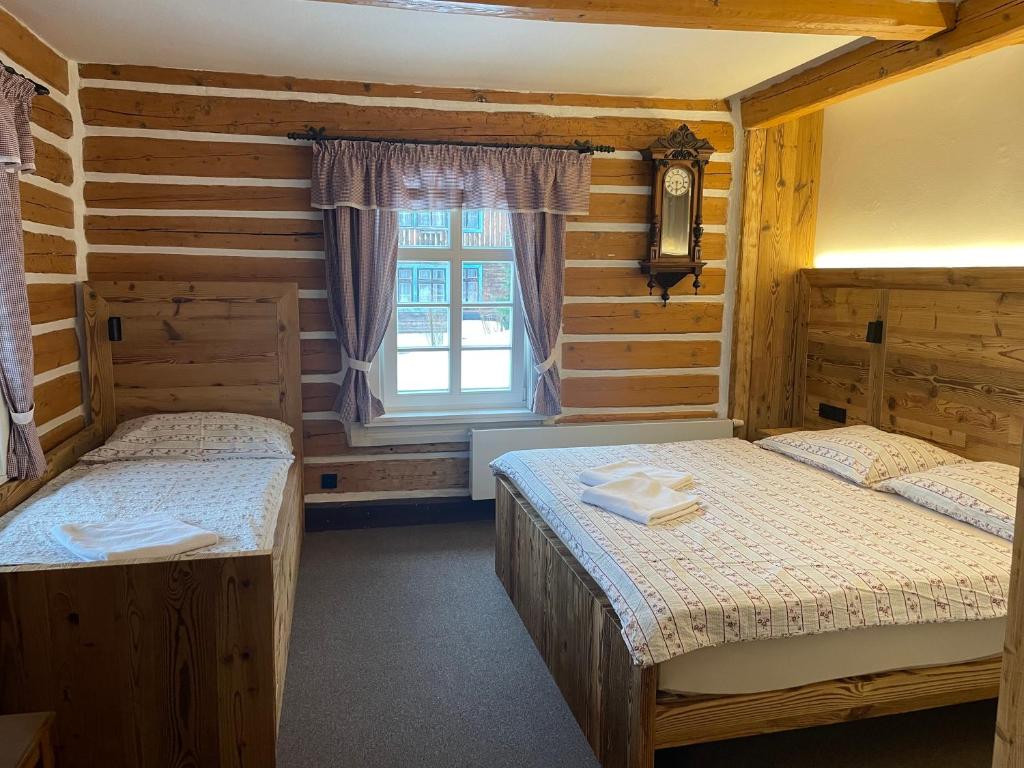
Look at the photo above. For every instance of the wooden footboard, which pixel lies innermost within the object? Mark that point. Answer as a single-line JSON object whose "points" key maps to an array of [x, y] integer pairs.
{"points": [[617, 704], [578, 634], [155, 664]]}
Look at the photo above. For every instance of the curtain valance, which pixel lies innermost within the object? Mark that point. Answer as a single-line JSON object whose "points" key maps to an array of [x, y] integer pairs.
{"points": [[17, 152], [393, 176]]}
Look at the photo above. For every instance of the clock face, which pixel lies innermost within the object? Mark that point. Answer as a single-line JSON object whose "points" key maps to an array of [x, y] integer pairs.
{"points": [[677, 182]]}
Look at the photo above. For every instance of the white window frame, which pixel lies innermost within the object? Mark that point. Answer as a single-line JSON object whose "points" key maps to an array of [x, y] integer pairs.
{"points": [[455, 402]]}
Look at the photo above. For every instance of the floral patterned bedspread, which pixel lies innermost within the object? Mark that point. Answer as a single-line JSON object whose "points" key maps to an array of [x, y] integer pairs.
{"points": [[235, 498], [778, 549]]}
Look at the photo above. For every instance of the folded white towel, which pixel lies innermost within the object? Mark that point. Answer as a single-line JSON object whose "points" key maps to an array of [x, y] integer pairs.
{"points": [[629, 468], [641, 500], [126, 539]]}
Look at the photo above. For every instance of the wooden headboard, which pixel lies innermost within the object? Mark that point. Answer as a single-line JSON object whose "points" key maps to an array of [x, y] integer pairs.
{"points": [[945, 361], [184, 346]]}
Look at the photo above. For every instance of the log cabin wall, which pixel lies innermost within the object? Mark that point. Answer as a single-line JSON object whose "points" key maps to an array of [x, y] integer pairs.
{"points": [[189, 177], [780, 204], [51, 212]]}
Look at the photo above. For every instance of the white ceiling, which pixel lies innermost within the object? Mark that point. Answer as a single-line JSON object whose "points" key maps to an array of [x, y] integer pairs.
{"points": [[330, 40]]}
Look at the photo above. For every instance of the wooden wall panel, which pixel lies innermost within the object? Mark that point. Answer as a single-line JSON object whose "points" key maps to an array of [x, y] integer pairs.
{"points": [[779, 216], [182, 207]]}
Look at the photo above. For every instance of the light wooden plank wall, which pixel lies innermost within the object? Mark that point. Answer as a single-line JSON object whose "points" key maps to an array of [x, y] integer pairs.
{"points": [[177, 178], [780, 206], [50, 217]]}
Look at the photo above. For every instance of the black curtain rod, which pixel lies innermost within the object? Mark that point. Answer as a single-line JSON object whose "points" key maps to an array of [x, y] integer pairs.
{"points": [[41, 90], [320, 134]]}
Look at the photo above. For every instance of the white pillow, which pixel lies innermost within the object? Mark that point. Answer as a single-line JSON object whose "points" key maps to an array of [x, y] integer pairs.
{"points": [[982, 493], [196, 436], [862, 454]]}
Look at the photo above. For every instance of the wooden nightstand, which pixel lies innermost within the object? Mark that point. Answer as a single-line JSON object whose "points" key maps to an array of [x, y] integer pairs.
{"points": [[26, 740], [764, 432]]}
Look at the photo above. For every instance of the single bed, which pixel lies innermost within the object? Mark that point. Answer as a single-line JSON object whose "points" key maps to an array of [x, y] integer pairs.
{"points": [[163, 661], [805, 600]]}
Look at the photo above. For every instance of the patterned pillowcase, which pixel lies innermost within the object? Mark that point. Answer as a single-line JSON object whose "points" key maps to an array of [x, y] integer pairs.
{"points": [[196, 436], [982, 493], [862, 454]]}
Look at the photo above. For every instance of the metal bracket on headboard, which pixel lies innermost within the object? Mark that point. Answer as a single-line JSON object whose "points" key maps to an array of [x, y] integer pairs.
{"points": [[875, 332], [114, 328], [832, 413]]}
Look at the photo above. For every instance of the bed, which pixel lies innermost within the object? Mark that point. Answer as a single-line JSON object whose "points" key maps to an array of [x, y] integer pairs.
{"points": [[163, 661], [942, 370]]}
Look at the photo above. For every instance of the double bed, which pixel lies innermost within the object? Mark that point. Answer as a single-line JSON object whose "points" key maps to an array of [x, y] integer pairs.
{"points": [[794, 597]]}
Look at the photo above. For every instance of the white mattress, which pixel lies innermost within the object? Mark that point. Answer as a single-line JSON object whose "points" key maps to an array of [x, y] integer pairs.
{"points": [[237, 499], [770, 665]]}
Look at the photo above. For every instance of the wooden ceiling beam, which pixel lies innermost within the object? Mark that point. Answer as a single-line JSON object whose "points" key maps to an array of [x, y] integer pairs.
{"points": [[881, 19], [982, 26]]}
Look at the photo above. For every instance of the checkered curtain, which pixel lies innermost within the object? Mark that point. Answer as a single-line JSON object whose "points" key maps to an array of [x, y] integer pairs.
{"points": [[25, 458]]}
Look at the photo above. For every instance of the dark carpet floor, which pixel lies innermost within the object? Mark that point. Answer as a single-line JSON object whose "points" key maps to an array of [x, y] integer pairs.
{"points": [[406, 653]]}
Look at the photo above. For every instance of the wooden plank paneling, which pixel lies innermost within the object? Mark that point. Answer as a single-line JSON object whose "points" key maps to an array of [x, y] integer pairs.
{"points": [[51, 301], [629, 355], [981, 26], [780, 213], [266, 117], [49, 114], [619, 391], [627, 281], [892, 19], [29, 52], [385, 475], [49, 253], [678, 317], [54, 349], [102, 194], [209, 232], [54, 437], [307, 273], [629, 246], [45, 207], [170, 76]]}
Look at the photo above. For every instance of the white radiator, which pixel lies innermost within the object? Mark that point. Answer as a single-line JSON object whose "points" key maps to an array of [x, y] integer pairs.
{"points": [[488, 444]]}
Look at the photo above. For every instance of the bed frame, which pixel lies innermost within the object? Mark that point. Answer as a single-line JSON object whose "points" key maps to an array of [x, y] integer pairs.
{"points": [[943, 360], [165, 662]]}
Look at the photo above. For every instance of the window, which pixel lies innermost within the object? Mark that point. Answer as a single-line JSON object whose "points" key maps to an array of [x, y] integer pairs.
{"points": [[456, 341]]}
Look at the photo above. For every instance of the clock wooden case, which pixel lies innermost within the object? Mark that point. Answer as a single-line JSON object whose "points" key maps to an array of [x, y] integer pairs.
{"points": [[679, 162]]}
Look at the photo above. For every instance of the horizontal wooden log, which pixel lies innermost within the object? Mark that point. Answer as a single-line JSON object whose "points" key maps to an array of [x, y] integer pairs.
{"points": [[628, 281], [51, 301], [637, 173], [54, 349], [45, 207], [54, 117], [57, 397], [167, 76], [632, 355], [266, 117], [629, 246], [982, 26], [652, 317], [27, 51], [891, 19], [59, 434], [319, 396], [321, 356], [198, 197], [604, 418], [49, 254], [619, 391], [53, 163], [314, 316], [205, 232], [326, 437], [307, 273], [385, 475]]}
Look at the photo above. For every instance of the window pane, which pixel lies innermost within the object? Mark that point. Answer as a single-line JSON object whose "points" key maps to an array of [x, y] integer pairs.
{"points": [[486, 369], [424, 229], [487, 282], [486, 228], [422, 327], [423, 371], [423, 282], [487, 326]]}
